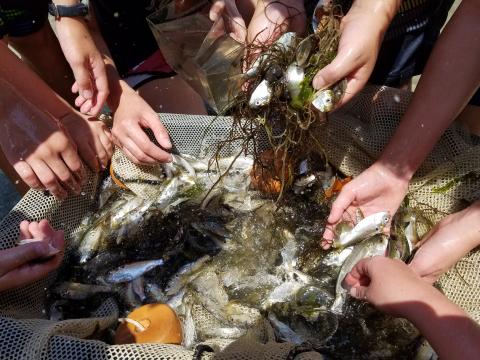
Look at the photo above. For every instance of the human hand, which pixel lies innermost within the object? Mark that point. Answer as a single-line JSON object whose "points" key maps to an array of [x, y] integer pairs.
{"points": [[389, 284], [234, 22], [272, 18], [362, 33], [92, 137], [87, 64], [17, 267], [132, 115], [374, 190], [41, 152], [449, 241]]}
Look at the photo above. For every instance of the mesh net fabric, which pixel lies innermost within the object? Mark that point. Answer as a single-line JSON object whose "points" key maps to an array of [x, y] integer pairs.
{"points": [[354, 137]]}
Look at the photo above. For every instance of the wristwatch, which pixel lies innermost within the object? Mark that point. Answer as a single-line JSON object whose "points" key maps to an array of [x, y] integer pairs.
{"points": [[59, 11]]}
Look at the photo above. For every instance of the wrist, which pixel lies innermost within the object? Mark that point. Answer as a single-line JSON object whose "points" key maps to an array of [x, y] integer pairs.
{"points": [[119, 89], [392, 173], [378, 14]]}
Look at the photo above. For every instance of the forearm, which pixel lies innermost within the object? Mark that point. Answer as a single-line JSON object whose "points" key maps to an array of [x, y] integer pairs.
{"points": [[116, 85], [29, 85], [451, 77], [450, 331]]}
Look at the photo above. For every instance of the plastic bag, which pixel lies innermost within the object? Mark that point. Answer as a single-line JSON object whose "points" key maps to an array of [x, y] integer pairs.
{"points": [[199, 50]]}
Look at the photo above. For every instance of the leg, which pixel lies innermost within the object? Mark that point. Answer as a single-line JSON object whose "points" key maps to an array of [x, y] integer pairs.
{"points": [[172, 95]]}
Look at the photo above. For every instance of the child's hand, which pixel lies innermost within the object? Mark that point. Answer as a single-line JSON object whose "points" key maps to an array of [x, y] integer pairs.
{"points": [[234, 22], [272, 18], [388, 284], [449, 241], [376, 189], [362, 31], [17, 267], [87, 64], [132, 115], [42, 153], [92, 137]]}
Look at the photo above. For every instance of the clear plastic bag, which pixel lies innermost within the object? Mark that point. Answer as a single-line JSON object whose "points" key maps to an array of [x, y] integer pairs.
{"points": [[199, 50]]}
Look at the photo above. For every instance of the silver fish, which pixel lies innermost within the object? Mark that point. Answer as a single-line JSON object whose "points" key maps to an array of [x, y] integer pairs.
{"points": [[324, 100], [366, 228], [179, 160], [283, 330], [294, 77], [130, 272], [411, 232], [261, 96], [254, 69], [337, 257], [90, 242], [376, 245], [78, 291]]}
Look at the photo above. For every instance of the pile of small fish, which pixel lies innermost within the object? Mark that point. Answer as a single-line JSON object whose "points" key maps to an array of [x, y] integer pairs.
{"points": [[226, 260]]}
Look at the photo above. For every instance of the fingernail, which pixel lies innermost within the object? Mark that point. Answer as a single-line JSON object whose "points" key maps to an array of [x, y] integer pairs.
{"points": [[52, 250], [87, 94], [353, 292]]}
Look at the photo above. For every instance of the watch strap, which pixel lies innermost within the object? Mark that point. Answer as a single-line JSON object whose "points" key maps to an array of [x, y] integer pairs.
{"points": [[59, 11]]}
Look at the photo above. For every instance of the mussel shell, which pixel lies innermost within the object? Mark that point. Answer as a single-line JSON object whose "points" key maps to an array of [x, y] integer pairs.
{"points": [[304, 49]]}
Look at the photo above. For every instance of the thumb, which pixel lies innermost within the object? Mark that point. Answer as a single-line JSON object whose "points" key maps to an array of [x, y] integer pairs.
{"points": [[216, 10], [15, 257], [341, 204], [160, 132], [83, 81], [337, 70]]}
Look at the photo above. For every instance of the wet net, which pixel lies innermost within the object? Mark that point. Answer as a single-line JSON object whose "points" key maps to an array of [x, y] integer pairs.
{"points": [[448, 180]]}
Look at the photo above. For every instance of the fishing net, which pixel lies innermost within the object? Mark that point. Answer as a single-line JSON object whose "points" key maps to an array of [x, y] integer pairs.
{"points": [[354, 137]]}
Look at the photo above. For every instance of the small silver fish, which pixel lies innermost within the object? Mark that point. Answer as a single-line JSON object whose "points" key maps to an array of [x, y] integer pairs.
{"points": [[324, 100], [366, 228], [411, 232], [254, 69], [90, 242], [261, 96], [284, 331], [130, 272], [294, 77], [79, 291], [377, 245]]}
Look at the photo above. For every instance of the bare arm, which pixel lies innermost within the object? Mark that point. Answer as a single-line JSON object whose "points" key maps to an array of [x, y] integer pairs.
{"points": [[396, 289], [363, 28], [451, 77]]}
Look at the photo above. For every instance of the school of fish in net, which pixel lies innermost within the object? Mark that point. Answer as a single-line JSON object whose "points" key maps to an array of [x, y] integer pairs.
{"points": [[226, 260]]}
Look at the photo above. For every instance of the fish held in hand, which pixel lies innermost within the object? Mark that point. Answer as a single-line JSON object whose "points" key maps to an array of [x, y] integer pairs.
{"points": [[366, 228]]}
